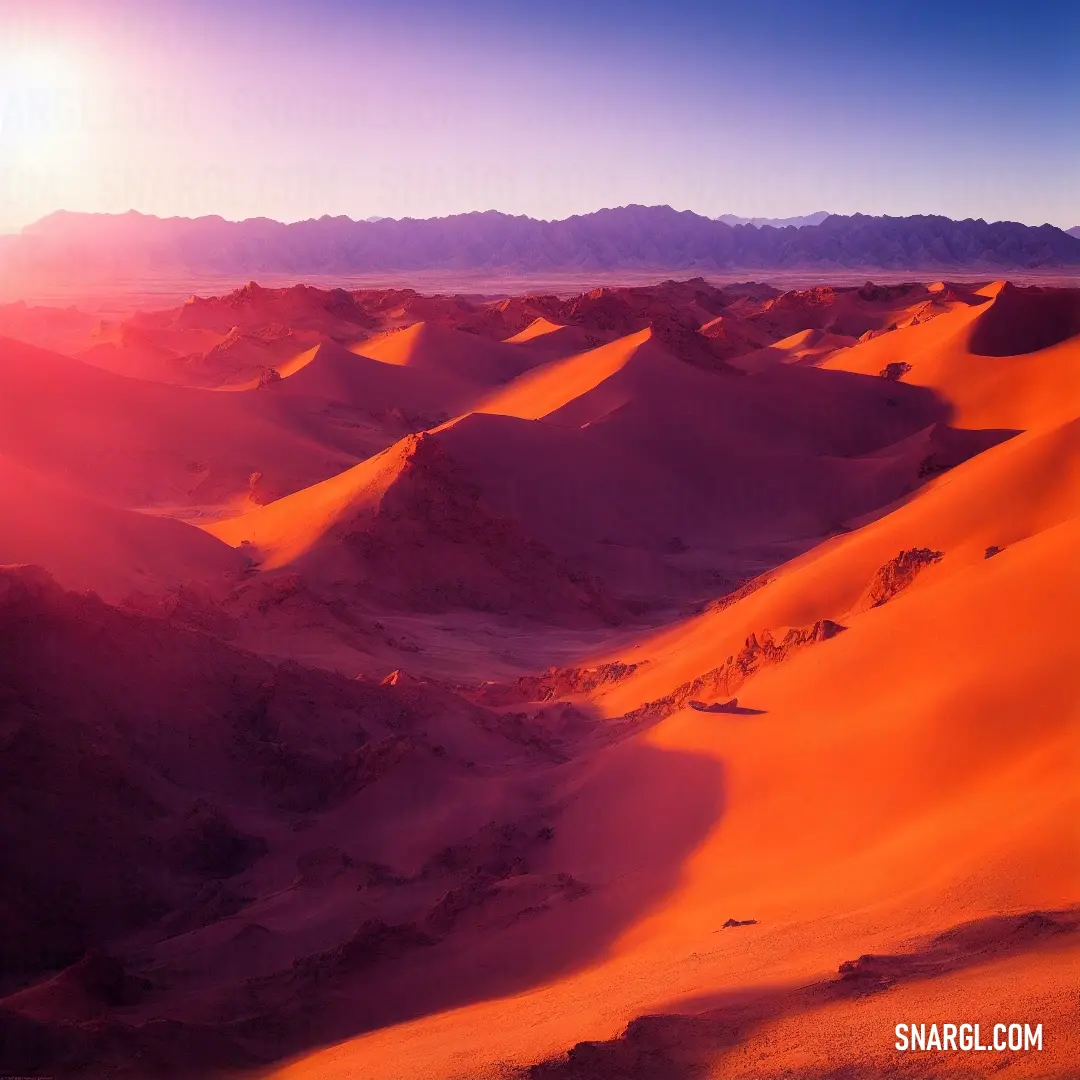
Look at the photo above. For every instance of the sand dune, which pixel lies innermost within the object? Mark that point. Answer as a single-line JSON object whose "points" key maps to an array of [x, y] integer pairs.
{"points": [[547, 389], [336, 374], [694, 466], [962, 516], [409, 527], [698, 470], [853, 312], [832, 862], [804, 347], [136, 443], [91, 546], [717, 705], [959, 356], [432, 347], [548, 340]]}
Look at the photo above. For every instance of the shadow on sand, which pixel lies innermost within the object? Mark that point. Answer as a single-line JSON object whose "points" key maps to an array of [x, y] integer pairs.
{"points": [[624, 820]]}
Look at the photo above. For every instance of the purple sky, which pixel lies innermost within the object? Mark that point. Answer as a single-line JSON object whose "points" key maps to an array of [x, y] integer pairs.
{"points": [[777, 108]]}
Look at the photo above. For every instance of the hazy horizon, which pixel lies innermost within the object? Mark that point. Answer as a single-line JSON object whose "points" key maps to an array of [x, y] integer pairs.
{"points": [[16, 229], [288, 112]]}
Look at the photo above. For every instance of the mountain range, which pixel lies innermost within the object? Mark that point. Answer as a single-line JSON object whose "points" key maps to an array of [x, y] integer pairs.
{"points": [[778, 223], [625, 238]]}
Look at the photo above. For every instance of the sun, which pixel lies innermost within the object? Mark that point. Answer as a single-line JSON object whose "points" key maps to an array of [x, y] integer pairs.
{"points": [[44, 98]]}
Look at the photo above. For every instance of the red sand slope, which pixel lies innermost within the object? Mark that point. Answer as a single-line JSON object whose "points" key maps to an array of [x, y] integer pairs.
{"points": [[139, 443], [409, 527], [805, 765], [88, 545], [846, 857]]}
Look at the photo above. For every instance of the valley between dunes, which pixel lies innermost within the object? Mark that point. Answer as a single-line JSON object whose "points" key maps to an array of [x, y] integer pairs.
{"points": [[668, 682]]}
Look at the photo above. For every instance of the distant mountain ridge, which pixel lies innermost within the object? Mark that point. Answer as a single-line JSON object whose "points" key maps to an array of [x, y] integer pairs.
{"points": [[777, 223], [1074, 231], [625, 238]]}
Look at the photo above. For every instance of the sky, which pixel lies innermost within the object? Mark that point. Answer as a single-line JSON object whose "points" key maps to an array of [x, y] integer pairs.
{"points": [[549, 108]]}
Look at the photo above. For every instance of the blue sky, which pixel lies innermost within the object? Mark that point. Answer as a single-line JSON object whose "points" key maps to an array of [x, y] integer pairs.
{"points": [[775, 108]]}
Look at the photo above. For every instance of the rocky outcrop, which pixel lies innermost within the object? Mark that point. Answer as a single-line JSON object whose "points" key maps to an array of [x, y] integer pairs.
{"points": [[894, 372], [759, 651], [553, 685], [899, 573]]}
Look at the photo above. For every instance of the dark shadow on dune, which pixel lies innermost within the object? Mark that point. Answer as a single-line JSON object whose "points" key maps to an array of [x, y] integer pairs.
{"points": [[1025, 320], [393, 974], [592, 845], [644, 841], [682, 1045]]}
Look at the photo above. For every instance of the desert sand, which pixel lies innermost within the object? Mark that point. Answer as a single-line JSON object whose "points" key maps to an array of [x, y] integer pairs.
{"points": [[661, 682]]}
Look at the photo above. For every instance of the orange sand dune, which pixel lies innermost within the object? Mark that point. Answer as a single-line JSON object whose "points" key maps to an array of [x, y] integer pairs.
{"points": [[1000, 498], [546, 340], [832, 861], [408, 525], [852, 312], [718, 706], [336, 374], [696, 469], [545, 390], [290, 528], [539, 327], [805, 347], [432, 347], [963, 356], [701, 473]]}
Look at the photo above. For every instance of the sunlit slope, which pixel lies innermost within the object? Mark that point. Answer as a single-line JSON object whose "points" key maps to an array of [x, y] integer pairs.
{"points": [[331, 373], [430, 346], [1004, 495], [914, 772], [289, 528], [547, 389], [804, 347], [1010, 362], [410, 528]]}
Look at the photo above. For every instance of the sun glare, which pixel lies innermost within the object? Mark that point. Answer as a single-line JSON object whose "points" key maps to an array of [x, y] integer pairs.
{"points": [[43, 102], [40, 65]]}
